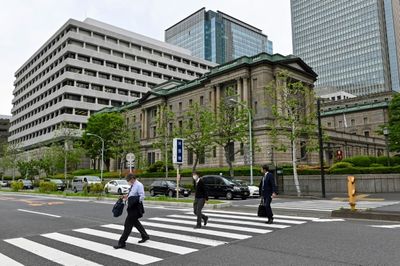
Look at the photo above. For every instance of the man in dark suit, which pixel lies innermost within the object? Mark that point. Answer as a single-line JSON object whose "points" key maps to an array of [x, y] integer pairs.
{"points": [[200, 198], [135, 210], [267, 191]]}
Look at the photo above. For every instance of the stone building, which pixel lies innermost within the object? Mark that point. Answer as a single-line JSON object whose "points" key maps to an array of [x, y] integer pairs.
{"points": [[248, 76]]}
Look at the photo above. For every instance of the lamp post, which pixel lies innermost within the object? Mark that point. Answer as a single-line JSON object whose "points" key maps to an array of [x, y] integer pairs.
{"points": [[321, 148], [250, 138], [102, 153], [386, 134]]}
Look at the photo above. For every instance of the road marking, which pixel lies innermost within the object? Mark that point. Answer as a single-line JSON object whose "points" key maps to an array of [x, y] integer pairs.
{"points": [[9, 261], [180, 237], [41, 213], [255, 214], [220, 226], [262, 219], [123, 254], [327, 220], [200, 231], [133, 240], [234, 221], [49, 253], [387, 226]]}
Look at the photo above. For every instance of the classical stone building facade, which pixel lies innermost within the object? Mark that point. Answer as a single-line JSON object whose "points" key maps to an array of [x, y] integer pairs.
{"points": [[249, 77]]}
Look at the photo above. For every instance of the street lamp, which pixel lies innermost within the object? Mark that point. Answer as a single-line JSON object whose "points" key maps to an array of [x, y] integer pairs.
{"points": [[386, 134], [102, 153], [250, 138]]}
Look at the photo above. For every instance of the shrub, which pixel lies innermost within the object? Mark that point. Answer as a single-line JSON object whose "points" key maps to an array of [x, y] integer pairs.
{"points": [[16, 186], [159, 166], [46, 187], [363, 161], [376, 165], [111, 175], [96, 188], [342, 165], [84, 172], [382, 160]]}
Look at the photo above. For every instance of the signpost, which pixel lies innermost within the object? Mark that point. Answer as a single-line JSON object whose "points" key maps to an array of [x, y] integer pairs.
{"points": [[130, 158], [177, 158]]}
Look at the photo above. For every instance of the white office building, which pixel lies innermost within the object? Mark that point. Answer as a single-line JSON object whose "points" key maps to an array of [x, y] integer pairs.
{"points": [[86, 66]]}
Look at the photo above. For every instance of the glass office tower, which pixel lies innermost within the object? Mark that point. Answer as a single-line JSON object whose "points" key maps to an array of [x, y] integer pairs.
{"points": [[217, 37], [353, 45]]}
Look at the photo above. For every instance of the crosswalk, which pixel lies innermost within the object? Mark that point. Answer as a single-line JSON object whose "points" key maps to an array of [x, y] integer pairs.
{"points": [[170, 235], [326, 205]]}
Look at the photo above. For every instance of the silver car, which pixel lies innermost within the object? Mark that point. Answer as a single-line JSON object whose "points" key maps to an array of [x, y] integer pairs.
{"points": [[79, 182], [117, 187]]}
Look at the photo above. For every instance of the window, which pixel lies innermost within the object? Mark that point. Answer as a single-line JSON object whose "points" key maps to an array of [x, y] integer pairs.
{"points": [[97, 61], [151, 157], [353, 122], [214, 152], [366, 133], [201, 100], [190, 156], [241, 148], [180, 106], [255, 107], [231, 151], [365, 120]]}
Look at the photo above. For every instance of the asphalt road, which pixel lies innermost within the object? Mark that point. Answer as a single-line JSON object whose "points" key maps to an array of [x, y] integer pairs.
{"points": [[234, 236]]}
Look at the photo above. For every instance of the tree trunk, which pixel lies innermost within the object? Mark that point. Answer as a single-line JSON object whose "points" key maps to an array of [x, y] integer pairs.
{"points": [[195, 163], [294, 164], [228, 161]]}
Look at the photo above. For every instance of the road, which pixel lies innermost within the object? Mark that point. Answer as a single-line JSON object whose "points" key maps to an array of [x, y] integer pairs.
{"points": [[52, 231]]}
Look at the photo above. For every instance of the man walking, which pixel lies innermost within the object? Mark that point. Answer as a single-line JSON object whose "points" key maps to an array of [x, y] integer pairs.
{"points": [[267, 191], [135, 210], [200, 199]]}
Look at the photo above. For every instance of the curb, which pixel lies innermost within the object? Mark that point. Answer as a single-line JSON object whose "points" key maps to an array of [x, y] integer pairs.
{"points": [[370, 215]]}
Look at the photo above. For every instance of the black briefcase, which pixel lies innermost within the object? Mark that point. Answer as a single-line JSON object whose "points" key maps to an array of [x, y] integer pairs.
{"points": [[118, 208], [262, 212]]}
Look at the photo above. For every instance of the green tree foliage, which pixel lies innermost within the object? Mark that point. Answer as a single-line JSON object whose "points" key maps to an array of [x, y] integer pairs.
{"points": [[9, 157], [198, 131], [230, 126], [110, 127], [28, 169], [394, 123], [293, 109], [165, 134]]}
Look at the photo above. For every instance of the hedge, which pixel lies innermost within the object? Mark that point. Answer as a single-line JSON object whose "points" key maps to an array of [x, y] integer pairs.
{"points": [[46, 187]]}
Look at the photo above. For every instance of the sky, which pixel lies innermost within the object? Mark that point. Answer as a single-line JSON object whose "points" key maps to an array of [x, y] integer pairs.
{"points": [[25, 25]]}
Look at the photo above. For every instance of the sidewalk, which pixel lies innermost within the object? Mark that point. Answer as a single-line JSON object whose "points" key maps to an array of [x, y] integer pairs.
{"points": [[389, 212]]}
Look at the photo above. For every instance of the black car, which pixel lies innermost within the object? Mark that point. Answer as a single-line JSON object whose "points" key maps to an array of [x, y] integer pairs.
{"points": [[27, 183], [167, 187], [220, 186], [59, 183]]}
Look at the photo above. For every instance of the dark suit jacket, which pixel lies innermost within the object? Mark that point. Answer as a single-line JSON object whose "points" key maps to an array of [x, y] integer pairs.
{"points": [[201, 190], [135, 208], [269, 186]]}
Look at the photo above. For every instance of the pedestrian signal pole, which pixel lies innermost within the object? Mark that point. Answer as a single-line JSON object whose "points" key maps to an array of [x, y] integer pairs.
{"points": [[177, 158]]}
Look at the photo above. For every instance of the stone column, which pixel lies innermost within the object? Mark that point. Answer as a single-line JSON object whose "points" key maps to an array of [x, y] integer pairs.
{"points": [[246, 91], [239, 89]]}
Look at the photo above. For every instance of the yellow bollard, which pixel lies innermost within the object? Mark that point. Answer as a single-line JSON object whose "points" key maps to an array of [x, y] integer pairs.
{"points": [[351, 190]]}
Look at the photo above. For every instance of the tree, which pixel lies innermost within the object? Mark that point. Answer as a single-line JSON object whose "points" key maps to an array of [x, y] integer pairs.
{"points": [[28, 168], [108, 126], [230, 127], [394, 123], [165, 134], [198, 131], [293, 110], [9, 157]]}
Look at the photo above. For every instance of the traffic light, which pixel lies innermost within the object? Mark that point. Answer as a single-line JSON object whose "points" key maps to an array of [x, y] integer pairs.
{"points": [[351, 190], [339, 155]]}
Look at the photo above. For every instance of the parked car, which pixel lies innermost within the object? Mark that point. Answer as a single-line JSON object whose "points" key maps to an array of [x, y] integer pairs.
{"points": [[220, 186], [59, 183], [117, 186], [79, 182], [3, 183], [167, 187], [27, 183], [254, 190]]}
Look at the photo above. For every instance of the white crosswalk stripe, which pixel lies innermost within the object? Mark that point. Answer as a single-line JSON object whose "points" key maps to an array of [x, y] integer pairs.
{"points": [[8, 261], [104, 249], [185, 238], [392, 226], [133, 240], [214, 225], [50, 253], [170, 235]]}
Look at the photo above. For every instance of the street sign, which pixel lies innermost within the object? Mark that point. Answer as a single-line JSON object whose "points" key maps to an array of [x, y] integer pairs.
{"points": [[130, 157], [177, 151]]}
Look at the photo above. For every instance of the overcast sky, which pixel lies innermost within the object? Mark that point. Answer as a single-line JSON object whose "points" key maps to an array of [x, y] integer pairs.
{"points": [[26, 24]]}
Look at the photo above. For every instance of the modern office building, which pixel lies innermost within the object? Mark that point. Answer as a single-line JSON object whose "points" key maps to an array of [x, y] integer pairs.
{"points": [[353, 45], [217, 37], [4, 126], [84, 67]]}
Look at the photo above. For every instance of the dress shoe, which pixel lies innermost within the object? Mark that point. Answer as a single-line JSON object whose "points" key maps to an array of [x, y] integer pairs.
{"points": [[270, 221], [143, 239], [197, 227], [205, 221], [119, 246]]}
